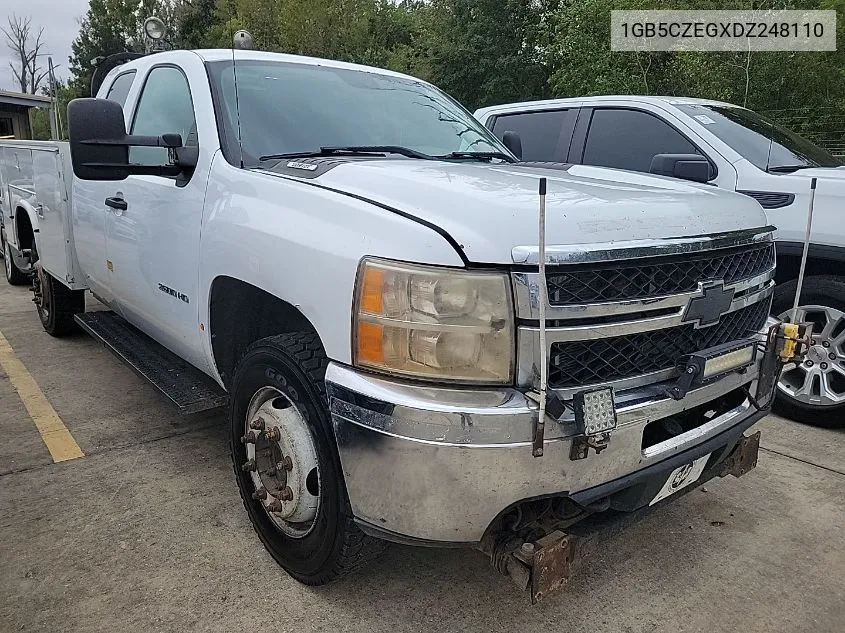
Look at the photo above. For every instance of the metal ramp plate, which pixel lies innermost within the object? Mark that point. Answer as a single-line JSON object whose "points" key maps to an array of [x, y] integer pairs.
{"points": [[181, 383]]}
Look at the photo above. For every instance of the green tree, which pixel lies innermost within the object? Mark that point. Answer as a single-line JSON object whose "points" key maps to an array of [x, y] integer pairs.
{"points": [[488, 51], [196, 22], [111, 26]]}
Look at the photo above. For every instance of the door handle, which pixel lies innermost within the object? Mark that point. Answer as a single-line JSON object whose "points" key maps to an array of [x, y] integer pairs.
{"points": [[117, 203]]}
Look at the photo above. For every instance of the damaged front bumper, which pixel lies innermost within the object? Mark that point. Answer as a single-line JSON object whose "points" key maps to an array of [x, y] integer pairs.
{"points": [[437, 465]]}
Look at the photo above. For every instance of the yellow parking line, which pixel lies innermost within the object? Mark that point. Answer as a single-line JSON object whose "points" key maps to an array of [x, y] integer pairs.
{"points": [[58, 439]]}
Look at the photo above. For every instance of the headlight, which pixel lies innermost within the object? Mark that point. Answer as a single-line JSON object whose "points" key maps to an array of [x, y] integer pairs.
{"points": [[437, 323]]}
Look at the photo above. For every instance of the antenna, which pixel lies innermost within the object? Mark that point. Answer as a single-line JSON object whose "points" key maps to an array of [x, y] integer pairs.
{"points": [[804, 253], [771, 145], [55, 130], [242, 40], [237, 101], [540, 429]]}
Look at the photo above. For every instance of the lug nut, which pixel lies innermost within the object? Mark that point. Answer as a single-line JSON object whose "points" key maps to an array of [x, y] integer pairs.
{"points": [[248, 466], [824, 365], [832, 356], [285, 464], [825, 343], [249, 438], [261, 493], [809, 363], [272, 435], [257, 424], [275, 506], [285, 494]]}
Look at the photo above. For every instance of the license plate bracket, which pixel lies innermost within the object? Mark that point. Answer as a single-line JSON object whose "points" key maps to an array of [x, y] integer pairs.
{"points": [[681, 477]]}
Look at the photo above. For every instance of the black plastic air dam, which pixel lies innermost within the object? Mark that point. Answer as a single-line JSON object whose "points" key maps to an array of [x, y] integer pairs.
{"points": [[720, 446]]}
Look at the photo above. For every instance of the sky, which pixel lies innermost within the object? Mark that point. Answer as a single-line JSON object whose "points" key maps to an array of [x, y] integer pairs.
{"points": [[60, 19]]}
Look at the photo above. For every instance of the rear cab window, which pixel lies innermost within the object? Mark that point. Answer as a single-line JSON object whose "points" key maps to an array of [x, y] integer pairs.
{"points": [[545, 134], [120, 87]]}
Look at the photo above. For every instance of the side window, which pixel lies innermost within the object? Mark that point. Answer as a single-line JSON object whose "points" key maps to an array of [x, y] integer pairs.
{"points": [[165, 107], [545, 135], [120, 88], [629, 139]]}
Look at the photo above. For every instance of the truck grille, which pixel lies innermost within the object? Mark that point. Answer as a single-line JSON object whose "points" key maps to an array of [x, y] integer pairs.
{"points": [[579, 363], [657, 277]]}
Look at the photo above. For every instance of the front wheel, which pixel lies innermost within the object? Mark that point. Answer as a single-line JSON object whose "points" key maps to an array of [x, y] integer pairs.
{"points": [[813, 392], [285, 462]]}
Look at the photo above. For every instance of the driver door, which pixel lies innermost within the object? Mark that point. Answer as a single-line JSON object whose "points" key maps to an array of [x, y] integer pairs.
{"points": [[153, 237]]}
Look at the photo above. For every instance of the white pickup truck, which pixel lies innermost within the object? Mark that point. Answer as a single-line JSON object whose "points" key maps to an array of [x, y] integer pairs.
{"points": [[350, 260], [738, 150]]}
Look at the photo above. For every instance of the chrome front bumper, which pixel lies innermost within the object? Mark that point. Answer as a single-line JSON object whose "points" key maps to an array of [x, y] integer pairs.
{"points": [[437, 464]]}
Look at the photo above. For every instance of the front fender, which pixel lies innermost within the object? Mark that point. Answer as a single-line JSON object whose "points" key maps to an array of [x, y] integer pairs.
{"points": [[302, 244]]}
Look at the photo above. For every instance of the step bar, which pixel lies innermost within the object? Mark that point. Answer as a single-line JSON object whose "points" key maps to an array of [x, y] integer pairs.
{"points": [[185, 386]]}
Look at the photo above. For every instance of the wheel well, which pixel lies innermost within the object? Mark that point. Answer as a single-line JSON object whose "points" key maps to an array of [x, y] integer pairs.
{"points": [[790, 265], [241, 314], [23, 226]]}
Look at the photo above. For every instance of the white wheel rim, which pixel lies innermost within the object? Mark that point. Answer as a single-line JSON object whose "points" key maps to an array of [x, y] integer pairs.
{"points": [[282, 453], [820, 379]]}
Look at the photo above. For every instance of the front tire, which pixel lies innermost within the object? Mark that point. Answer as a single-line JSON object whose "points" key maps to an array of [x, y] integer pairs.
{"points": [[278, 416], [814, 391]]}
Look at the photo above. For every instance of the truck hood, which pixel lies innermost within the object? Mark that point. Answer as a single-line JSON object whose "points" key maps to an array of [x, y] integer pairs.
{"points": [[491, 208]]}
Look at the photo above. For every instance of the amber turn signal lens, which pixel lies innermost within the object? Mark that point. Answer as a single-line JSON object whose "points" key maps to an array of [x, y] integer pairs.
{"points": [[370, 342], [372, 295]]}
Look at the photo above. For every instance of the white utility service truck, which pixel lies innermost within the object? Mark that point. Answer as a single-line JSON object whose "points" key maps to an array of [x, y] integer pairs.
{"points": [[349, 259]]}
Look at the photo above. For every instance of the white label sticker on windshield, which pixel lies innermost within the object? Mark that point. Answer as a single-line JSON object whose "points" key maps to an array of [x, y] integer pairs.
{"points": [[703, 118]]}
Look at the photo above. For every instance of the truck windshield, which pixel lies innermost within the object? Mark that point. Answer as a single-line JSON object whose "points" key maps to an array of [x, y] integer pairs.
{"points": [[762, 142], [290, 108]]}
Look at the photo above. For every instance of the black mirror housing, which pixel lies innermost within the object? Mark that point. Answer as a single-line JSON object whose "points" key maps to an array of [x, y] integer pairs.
{"points": [[692, 167], [99, 144], [96, 131], [513, 142]]}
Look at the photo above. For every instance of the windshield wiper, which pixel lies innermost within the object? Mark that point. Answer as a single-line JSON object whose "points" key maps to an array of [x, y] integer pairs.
{"points": [[478, 156], [379, 149], [353, 150], [788, 169]]}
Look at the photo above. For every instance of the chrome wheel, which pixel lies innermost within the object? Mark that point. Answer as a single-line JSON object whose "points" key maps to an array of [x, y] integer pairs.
{"points": [[282, 462], [820, 379]]}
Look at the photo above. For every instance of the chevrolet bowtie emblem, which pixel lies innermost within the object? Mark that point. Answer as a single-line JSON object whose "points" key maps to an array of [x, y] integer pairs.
{"points": [[707, 309]]}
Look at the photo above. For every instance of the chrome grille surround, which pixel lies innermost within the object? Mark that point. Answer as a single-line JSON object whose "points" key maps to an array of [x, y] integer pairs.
{"points": [[590, 328], [657, 277]]}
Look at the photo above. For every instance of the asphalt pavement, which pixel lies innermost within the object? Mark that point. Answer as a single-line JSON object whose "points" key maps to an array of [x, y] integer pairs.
{"points": [[145, 530]]}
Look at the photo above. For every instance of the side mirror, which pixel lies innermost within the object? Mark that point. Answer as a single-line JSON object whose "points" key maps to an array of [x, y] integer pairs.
{"points": [[685, 166], [513, 142], [99, 144]]}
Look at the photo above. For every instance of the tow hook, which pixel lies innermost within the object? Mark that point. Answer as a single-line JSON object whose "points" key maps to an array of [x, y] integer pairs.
{"points": [[540, 567], [743, 457]]}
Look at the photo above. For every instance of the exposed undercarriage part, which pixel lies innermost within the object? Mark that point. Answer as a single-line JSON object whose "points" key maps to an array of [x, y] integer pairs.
{"points": [[538, 544]]}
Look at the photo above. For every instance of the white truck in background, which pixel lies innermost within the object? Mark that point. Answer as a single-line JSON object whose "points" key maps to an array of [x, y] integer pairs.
{"points": [[350, 261], [738, 150]]}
